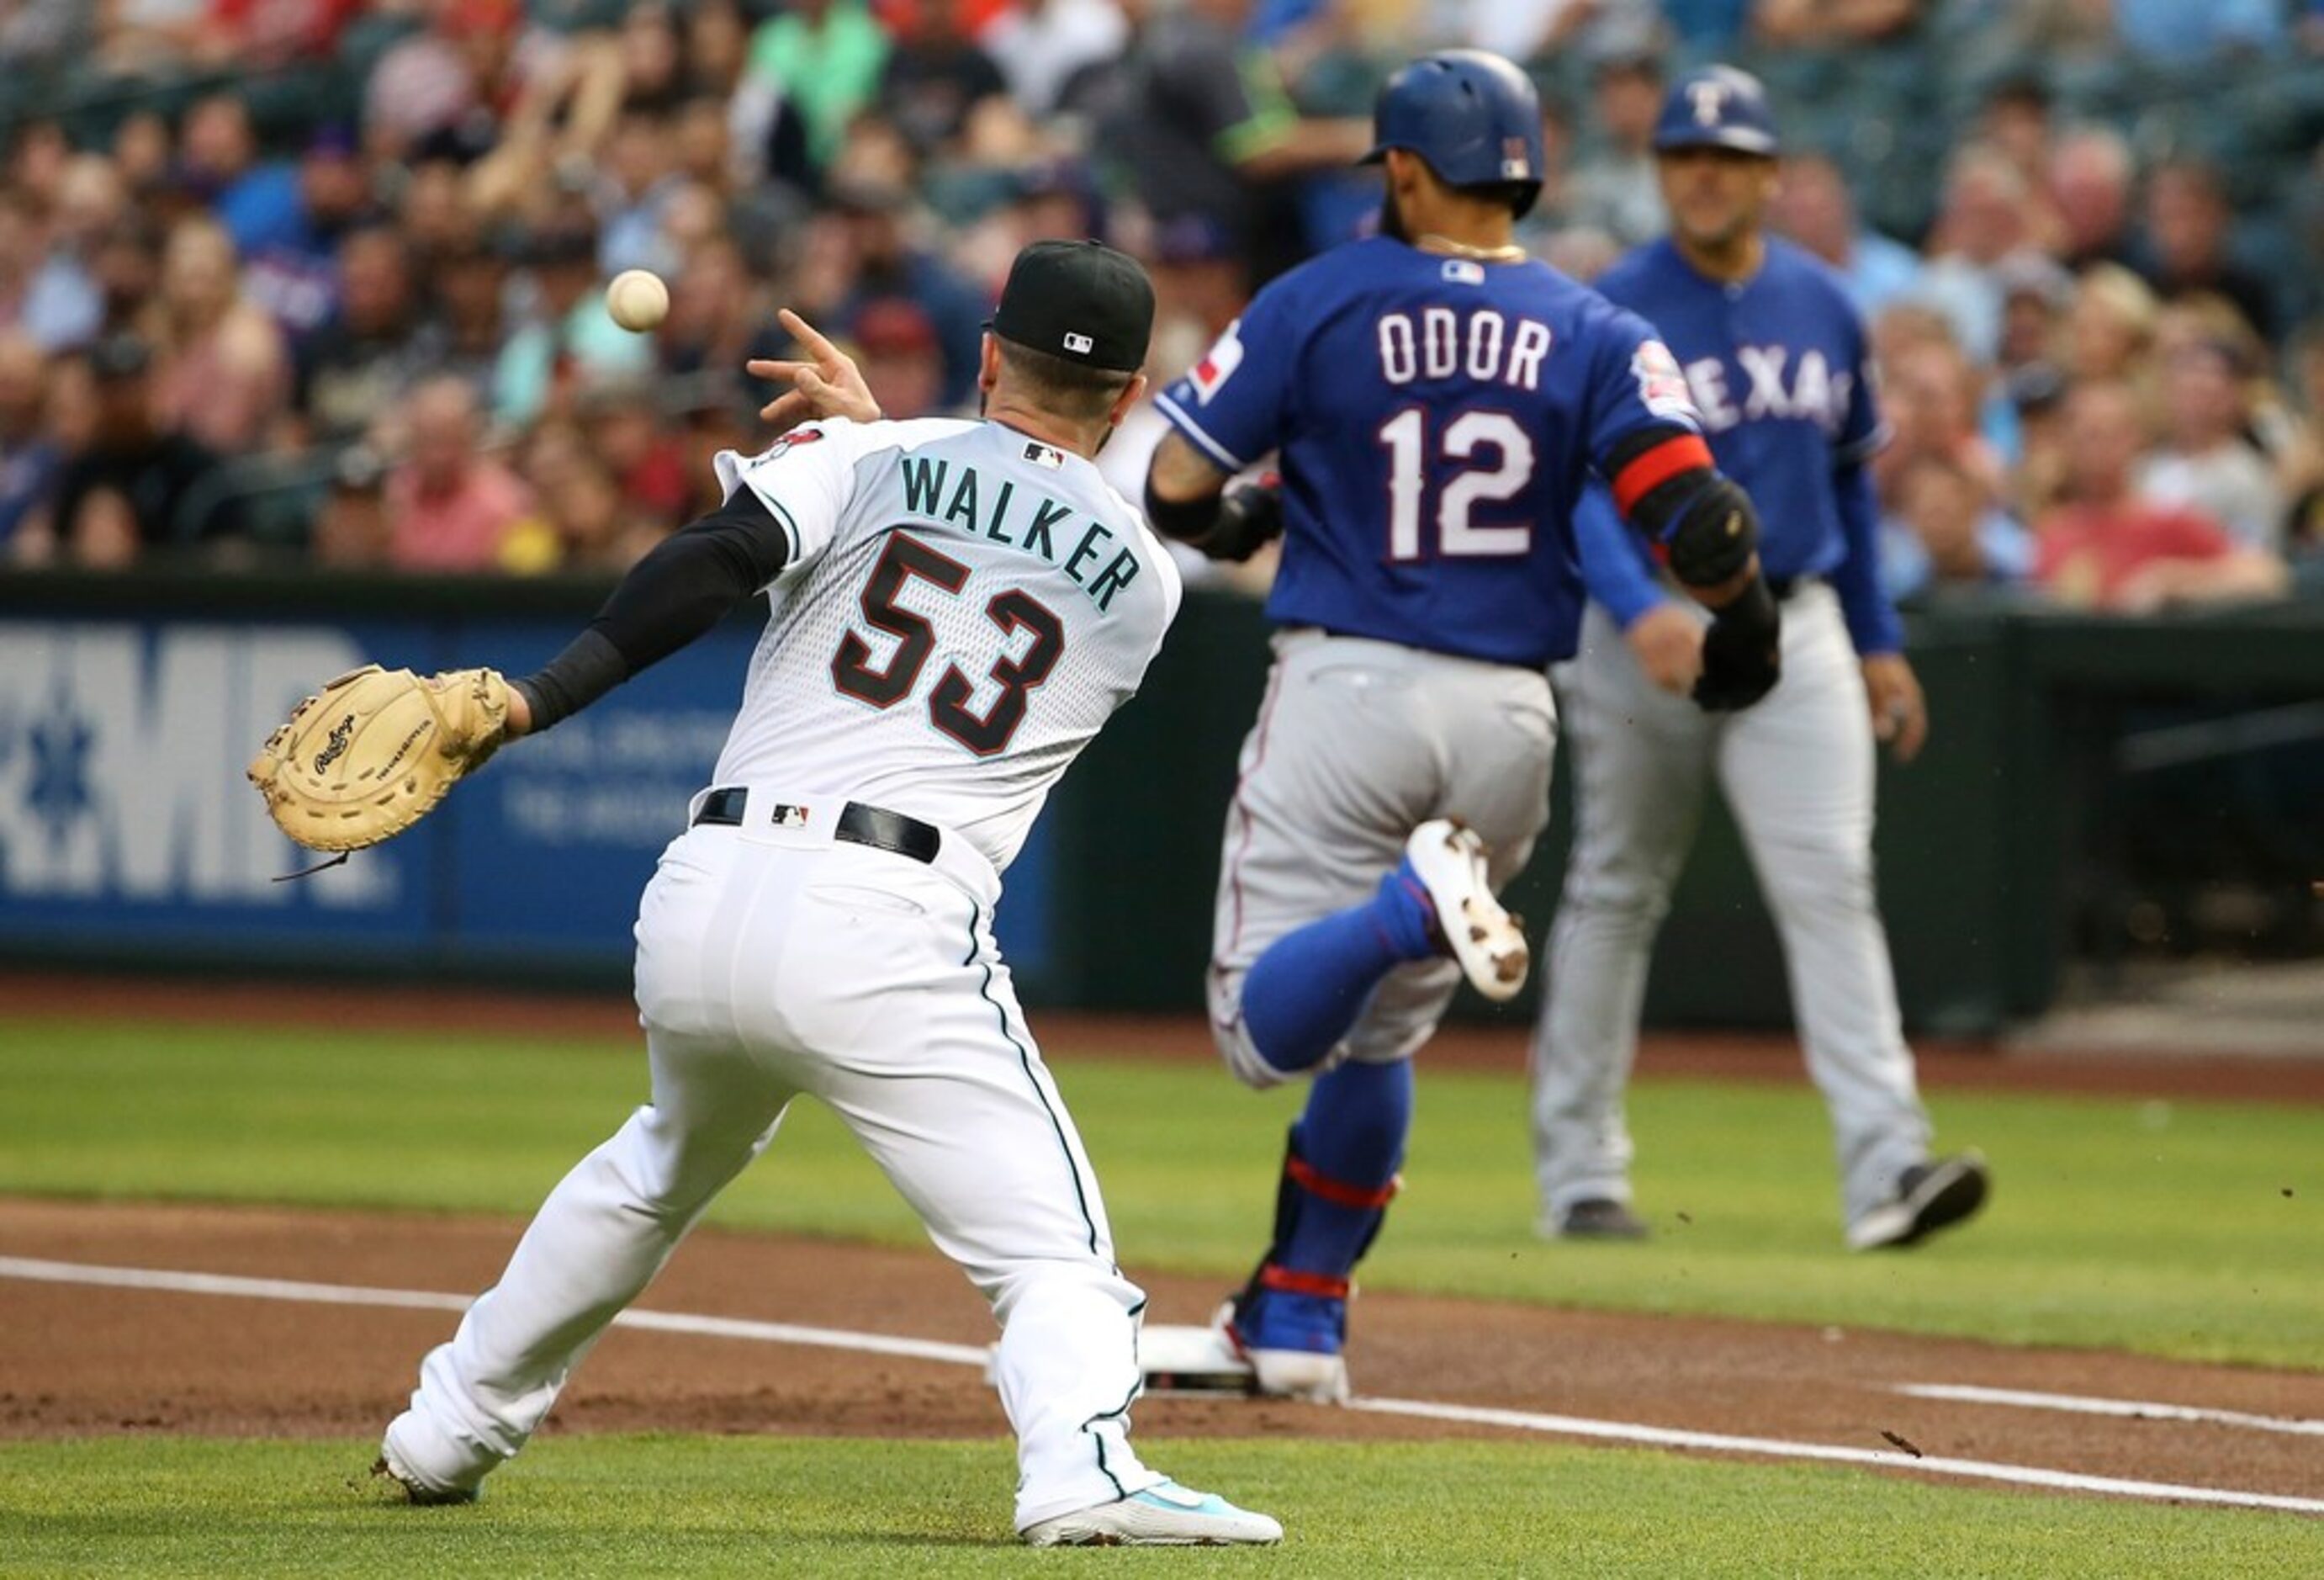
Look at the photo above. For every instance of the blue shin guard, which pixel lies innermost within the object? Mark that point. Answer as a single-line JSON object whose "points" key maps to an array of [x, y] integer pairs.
{"points": [[1338, 1175]]}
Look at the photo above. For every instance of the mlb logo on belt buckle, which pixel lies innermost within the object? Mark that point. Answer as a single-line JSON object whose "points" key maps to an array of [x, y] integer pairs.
{"points": [[789, 817]]}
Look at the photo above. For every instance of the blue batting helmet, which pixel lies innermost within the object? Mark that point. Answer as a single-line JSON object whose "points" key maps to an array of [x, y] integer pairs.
{"points": [[1473, 117], [1718, 107]]}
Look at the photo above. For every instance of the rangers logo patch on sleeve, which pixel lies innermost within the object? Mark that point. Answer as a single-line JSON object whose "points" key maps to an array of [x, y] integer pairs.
{"points": [[1662, 384], [1218, 365]]}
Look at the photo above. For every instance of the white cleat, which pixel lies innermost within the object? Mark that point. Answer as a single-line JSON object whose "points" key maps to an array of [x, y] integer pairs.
{"points": [[395, 1464], [1167, 1515], [1448, 857], [1299, 1374]]}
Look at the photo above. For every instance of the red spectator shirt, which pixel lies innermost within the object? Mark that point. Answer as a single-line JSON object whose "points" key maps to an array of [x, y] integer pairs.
{"points": [[278, 28], [2087, 553], [459, 529]]}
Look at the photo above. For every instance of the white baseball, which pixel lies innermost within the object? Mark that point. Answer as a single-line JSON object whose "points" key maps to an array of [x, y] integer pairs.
{"points": [[638, 299]]}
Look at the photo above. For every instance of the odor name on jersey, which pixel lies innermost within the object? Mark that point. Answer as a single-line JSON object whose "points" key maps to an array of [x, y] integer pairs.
{"points": [[1437, 419]]}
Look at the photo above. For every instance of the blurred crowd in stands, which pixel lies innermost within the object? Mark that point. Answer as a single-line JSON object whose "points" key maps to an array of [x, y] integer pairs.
{"points": [[294, 283]]}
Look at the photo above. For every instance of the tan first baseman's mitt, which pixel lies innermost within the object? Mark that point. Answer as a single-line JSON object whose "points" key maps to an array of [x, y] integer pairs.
{"points": [[372, 753]]}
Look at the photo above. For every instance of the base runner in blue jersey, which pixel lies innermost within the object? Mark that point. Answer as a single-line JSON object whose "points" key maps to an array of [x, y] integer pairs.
{"points": [[1775, 357], [1437, 402]]}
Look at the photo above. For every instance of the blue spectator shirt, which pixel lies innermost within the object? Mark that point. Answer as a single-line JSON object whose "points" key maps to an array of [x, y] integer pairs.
{"points": [[2190, 30], [28, 476], [1880, 270], [1780, 369], [1437, 419], [1706, 27], [1907, 572], [957, 309], [265, 209]]}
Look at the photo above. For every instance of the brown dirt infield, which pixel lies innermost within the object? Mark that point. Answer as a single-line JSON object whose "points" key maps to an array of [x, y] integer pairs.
{"points": [[77, 1360]]}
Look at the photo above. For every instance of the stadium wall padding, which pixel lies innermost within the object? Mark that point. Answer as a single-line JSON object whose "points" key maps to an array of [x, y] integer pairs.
{"points": [[129, 704]]}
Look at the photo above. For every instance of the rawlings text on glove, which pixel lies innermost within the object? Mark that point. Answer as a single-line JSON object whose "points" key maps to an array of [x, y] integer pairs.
{"points": [[373, 752]]}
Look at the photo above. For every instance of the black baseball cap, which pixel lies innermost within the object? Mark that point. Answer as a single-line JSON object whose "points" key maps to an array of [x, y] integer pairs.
{"points": [[1079, 301]]}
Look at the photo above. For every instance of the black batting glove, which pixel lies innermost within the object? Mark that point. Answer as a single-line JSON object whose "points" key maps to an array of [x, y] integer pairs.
{"points": [[1250, 517], [1742, 651]]}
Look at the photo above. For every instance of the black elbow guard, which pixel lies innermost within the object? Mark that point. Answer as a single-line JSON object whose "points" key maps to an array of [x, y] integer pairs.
{"points": [[1707, 528]]}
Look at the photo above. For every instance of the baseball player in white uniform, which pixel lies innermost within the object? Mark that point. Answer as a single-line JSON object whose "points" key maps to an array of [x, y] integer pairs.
{"points": [[957, 609], [1779, 369]]}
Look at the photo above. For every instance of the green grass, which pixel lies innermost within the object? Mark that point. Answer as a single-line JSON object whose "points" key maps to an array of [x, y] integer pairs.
{"points": [[668, 1505], [2189, 1230]]}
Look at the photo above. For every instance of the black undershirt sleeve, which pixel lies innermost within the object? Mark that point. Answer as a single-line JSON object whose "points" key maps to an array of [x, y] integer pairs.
{"points": [[692, 580]]}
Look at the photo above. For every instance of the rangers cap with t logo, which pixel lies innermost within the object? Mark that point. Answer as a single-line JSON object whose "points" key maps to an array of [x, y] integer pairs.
{"points": [[1718, 107], [1079, 301]]}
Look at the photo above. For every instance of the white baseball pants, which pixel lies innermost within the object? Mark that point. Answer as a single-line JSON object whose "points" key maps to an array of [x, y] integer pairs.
{"points": [[773, 962], [1797, 770], [1358, 744]]}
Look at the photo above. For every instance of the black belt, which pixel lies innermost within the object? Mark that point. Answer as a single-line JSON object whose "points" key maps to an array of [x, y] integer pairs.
{"points": [[1783, 586], [858, 824]]}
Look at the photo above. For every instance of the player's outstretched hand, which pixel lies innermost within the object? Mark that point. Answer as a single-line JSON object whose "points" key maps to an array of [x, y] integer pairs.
{"points": [[1900, 713], [1668, 643], [830, 384]]}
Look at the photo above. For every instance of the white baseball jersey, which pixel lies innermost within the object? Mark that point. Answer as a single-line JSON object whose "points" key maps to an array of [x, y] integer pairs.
{"points": [[964, 606]]}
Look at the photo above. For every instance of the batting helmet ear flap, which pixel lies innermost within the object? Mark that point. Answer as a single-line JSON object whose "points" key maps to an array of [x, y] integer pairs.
{"points": [[1473, 117]]}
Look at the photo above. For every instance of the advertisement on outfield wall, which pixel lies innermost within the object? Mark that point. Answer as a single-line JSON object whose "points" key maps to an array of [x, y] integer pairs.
{"points": [[126, 826]]}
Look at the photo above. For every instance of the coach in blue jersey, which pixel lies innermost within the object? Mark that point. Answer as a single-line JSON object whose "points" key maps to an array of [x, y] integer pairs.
{"points": [[1775, 358], [1437, 402]]}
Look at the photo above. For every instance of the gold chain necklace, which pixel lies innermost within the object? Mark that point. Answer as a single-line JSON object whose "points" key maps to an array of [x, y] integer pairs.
{"points": [[1432, 242]]}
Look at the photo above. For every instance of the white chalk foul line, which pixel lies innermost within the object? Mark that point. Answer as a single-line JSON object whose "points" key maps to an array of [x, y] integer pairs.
{"points": [[67, 1273], [2131, 1408], [1834, 1452], [776, 1333]]}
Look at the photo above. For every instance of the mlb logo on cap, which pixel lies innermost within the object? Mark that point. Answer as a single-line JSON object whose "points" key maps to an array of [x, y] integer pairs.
{"points": [[1516, 160], [1079, 344]]}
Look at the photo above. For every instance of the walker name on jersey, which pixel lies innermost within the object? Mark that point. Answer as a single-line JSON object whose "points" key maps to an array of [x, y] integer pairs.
{"points": [[951, 493], [1442, 343], [1775, 385]]}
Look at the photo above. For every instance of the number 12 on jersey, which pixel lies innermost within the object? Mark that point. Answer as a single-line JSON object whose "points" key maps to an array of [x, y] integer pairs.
{"points": [[1473, 437], [986, 733]]}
